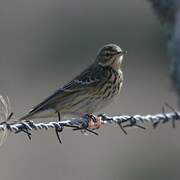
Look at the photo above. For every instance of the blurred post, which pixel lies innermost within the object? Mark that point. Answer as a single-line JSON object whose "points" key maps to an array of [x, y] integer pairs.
{"points": [[169, 14]]}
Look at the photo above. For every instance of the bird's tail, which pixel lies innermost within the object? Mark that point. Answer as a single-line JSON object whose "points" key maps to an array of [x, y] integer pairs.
{"points": [[27, 116], [49, 113]]}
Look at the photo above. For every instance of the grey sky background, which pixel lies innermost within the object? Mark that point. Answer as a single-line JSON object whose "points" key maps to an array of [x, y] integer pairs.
{"points": [[44, 44]]}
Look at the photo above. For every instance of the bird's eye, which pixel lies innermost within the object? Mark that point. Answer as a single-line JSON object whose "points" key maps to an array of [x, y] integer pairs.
{"points": [[107, 54]]}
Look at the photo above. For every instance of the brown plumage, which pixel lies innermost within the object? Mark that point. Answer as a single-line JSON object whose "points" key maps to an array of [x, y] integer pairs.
{"points": [[93, 89]]}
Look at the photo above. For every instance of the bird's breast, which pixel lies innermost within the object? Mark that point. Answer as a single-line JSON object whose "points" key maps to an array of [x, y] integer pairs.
{"points": [[108, 90], [113, 83]]}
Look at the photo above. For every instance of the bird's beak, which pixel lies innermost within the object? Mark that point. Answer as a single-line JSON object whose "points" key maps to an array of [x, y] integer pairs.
{"points": [[122, 53]]}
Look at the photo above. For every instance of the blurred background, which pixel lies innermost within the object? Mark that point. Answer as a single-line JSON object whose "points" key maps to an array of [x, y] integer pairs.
{"points": [[44, 44]]}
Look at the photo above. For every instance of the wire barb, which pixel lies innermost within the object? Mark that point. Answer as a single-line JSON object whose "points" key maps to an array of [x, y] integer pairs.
{"points": [[123, 121], [133, 122], [83, 123], [58, 129]]}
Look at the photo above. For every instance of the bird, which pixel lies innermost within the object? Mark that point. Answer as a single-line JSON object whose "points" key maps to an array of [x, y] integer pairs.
{"points": [[93, 89]]}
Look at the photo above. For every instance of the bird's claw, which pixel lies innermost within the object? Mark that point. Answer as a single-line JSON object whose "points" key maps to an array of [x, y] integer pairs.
{"points": [[94, 122]]}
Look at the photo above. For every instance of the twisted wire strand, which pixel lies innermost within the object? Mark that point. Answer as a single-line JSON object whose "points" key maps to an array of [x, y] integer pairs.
{"points": [[82, 123], [124, 120]]}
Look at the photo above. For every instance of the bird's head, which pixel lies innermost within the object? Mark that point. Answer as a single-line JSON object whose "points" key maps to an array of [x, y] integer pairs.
{"points": [[110, 55]]}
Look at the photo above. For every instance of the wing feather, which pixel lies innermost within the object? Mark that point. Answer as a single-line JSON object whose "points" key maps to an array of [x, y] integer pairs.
{"points": [[87, 79]]}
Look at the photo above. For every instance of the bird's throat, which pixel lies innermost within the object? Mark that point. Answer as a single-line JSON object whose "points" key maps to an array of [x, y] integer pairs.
{"points": [[116, 65]]}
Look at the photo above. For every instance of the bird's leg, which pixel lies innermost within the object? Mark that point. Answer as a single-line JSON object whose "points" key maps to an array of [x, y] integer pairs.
{"points": [[94, 122], [57, 129], [59, 116]]}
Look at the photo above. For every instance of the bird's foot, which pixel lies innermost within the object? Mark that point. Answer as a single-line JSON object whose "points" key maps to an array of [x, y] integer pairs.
{"points": [[94, 122]]}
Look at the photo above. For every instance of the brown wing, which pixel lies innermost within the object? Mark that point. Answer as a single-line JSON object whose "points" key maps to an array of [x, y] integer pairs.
{"points": [[87, 79]]}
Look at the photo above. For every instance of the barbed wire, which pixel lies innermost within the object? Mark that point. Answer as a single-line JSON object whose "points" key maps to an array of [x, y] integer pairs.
{"points": [[82, 124], [124, 121]]}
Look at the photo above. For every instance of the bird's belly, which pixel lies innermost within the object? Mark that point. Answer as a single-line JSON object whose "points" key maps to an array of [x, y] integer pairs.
{"points": [[108, 96], [90, 103]]}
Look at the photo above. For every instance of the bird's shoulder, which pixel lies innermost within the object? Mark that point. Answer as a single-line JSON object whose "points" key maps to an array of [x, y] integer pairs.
{"points": [[88, 78]]}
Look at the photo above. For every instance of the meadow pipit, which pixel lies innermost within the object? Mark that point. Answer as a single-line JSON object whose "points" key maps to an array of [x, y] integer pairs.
{"points": [[93, 89]]}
